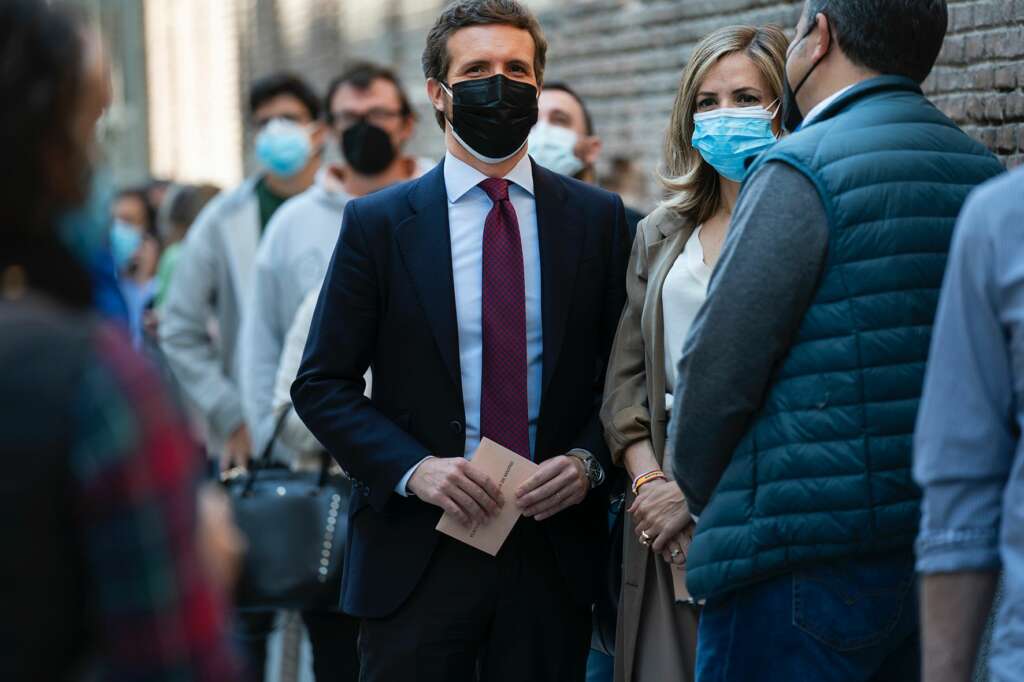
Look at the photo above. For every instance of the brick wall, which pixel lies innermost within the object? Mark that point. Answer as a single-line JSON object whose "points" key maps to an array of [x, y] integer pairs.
{"points": [[625, 58]]}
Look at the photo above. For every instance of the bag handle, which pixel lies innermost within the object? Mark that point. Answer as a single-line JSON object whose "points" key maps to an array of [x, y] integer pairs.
{"points": [[263, 461]]}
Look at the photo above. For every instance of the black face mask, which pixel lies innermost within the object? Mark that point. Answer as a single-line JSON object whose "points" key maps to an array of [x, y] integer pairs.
{"points": [[367, 148], [492, 117], [792, 117]]}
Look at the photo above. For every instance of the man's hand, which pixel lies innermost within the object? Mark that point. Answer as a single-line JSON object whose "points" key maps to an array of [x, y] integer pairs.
{"points": [[237, 450], [660, 511], [454, 485], [559, 483]]}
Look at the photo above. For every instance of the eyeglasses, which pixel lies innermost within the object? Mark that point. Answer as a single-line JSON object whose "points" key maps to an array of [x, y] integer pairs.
{"points": [[343, 120]]}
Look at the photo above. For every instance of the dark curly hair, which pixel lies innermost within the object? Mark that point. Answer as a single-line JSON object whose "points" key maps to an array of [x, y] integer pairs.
{"points": [[41, 74]]}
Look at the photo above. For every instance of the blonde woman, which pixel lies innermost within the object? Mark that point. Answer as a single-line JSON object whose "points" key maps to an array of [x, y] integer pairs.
{"points": [[725, 112]]}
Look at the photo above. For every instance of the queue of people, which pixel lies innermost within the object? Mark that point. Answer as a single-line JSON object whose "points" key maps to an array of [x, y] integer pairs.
{"points": [[797, 419]]}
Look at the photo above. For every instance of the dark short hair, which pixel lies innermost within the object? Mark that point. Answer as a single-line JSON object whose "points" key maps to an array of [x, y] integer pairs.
{"points": [[42, 53], [361, 76], [42, 81], [588, 122], [465, 13], [141, 193], [188, 203], [267, 88], [896, 37]]}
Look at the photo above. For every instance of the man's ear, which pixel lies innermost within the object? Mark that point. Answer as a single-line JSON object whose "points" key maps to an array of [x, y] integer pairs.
{"points": [[438, 97], [822, 39], [588, 149], [319, 135]]}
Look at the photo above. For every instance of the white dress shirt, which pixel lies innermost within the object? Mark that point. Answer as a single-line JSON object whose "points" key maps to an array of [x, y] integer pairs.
{"points": [[468, 206], [820, 106], [682, 295]]}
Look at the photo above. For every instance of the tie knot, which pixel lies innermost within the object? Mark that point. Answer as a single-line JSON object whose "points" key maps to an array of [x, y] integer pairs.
{"points": [[496, 188]]}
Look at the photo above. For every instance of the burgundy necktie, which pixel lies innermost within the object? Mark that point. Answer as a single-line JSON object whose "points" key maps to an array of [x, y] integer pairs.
{"points": [[504, 410]]}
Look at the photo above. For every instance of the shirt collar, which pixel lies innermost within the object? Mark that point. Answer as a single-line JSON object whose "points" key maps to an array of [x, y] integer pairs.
{"points": [[460, 177], [820, 107]]}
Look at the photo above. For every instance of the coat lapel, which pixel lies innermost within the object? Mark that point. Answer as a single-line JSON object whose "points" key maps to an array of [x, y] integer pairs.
{"points": [[425, 243], [561, 243]]}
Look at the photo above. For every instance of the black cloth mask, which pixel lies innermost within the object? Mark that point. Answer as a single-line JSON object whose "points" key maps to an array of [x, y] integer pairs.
{"points": [[792, 117], [367, 148], [492, 117]]}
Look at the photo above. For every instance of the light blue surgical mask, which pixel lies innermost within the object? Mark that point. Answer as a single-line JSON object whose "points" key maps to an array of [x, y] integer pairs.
{"points": [[726, 138], [283, 147], [554, 147], [125, 241], [84, 229]]}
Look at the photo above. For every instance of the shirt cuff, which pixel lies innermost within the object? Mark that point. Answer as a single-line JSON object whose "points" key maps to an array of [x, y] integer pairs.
{"points": [[402, 487], [958, 550]]}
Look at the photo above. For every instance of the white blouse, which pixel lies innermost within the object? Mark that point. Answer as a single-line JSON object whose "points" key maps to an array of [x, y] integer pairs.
{"points": [[684, 291]]}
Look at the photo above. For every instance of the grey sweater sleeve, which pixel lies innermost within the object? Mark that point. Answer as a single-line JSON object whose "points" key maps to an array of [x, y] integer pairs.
{"points": [[757, 298]]}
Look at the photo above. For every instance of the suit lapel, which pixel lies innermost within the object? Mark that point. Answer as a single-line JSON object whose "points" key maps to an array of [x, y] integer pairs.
{"points": [[425, 243], [561, 243]]}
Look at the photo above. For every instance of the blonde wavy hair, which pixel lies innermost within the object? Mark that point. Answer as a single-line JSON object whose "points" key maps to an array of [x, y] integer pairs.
{"points": [[692, 184]]}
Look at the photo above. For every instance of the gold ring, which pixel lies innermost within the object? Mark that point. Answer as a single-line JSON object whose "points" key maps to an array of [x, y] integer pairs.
{"points": [[645, 539]]}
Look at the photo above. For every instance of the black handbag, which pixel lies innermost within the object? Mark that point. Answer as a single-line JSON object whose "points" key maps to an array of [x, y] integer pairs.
{"points": [[296, 524]]}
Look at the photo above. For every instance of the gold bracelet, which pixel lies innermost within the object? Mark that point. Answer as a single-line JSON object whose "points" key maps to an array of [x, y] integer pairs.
{"points": [[644, 479]]}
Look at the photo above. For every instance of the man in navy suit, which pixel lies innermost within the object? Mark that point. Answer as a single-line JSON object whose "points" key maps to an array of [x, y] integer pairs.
{"points": [[484, 296]]}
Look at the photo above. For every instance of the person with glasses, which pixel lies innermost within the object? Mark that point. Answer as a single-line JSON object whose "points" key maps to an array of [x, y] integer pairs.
{"points": [[213, 279], [370, 119]]}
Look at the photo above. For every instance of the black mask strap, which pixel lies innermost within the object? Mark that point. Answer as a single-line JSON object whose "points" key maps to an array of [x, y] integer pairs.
{"points": [[792, 117]]}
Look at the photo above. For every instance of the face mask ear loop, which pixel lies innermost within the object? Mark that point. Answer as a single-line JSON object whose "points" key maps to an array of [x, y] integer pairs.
{"points": [[778, 107], [451, 98]]}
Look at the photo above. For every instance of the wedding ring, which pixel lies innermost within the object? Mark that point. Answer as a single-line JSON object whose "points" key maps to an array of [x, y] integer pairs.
{"points": [[675, 552], [645, 539]]}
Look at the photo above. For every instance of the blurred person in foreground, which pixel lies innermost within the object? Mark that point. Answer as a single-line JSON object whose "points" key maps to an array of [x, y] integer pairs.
{"points": [[565, 141], [967, 454], [214, 273], [107, 579], [799, 381], [726, 112], [436, 283], [370, 117]]}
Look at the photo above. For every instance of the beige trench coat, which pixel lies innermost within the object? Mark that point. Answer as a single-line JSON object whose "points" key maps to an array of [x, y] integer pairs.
{"points": [[656, 638]]}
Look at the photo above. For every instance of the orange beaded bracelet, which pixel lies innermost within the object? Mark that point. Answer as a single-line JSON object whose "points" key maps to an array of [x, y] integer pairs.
{"points": [[644, 479]]}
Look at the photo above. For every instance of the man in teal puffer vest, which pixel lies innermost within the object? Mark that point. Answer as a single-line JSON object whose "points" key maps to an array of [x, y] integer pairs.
{"points": [[799, 384]]}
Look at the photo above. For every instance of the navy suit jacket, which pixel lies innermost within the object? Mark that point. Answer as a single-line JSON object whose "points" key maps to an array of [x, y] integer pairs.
{"points": [[388, 302]]}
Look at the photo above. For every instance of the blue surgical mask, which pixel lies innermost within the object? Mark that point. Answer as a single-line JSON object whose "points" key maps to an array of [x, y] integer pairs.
{"points": [[125, 241], [283, 147], [554, 147], [84, 229], [726, 138]]}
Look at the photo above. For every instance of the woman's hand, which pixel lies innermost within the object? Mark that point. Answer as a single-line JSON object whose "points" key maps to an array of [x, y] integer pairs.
{"points": [[660, 511], [678, 548]]}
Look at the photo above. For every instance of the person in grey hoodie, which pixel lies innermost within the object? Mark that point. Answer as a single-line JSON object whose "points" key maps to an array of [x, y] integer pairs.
{"points": [[369, 113], [216, 263]]}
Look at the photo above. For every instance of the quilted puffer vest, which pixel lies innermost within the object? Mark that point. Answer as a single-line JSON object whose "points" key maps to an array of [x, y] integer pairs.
{"points": [[824, 471]]}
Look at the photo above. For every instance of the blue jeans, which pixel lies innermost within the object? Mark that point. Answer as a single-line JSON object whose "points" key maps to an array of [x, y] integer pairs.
{"points": [[848, 621]]}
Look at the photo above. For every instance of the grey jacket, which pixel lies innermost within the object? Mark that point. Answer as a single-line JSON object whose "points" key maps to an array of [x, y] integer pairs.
{"points": [[210, 286]]}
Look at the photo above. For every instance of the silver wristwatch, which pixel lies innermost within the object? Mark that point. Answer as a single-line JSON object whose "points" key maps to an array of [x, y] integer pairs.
{"points": [[595, 472]]}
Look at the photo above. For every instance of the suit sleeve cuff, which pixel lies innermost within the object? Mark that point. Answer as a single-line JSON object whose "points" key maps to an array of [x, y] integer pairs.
{"points": [[403, 485]]}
